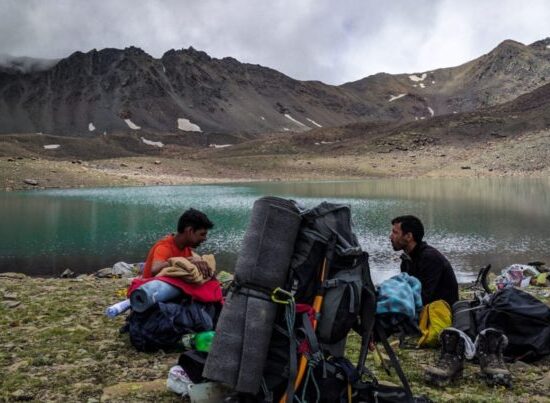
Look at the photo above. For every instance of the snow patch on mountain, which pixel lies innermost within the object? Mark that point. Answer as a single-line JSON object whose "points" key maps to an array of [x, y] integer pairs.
{"points": [[52, 146], [295, 121], [186, 125], [219, 145], [394, 97], [414, 77], [314, 122], [91, 127], [152, 143], [431, 111], [132, 125]]}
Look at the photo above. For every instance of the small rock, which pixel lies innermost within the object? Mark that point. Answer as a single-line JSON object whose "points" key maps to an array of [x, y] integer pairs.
{"points": [[123, 165], [9, 295], [121, 390], [520, 366], [157, 162], [22, 395], [11, 304], [465, 167], [32, 182], [68, 273], [13, 275], [545, 381], [11, 160], [18, 365], [140, 167]]}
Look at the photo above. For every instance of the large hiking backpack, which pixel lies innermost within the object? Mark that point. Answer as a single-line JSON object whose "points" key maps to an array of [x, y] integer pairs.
{"points": [[330, 291], [523, 318], [326, 236]]}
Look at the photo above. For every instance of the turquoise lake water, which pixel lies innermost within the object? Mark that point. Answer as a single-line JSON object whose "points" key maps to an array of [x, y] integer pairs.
{"points": [[472, 221]]}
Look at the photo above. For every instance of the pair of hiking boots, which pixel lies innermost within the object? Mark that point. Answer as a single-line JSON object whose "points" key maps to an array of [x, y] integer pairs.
{"points": [[450, 365]]}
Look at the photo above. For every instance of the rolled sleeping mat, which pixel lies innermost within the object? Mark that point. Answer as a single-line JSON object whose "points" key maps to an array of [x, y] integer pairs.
{"points": [[152, 292], [243, 332]]}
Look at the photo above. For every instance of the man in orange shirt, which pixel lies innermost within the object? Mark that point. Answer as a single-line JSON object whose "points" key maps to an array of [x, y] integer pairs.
{"points": [[193, 227]]}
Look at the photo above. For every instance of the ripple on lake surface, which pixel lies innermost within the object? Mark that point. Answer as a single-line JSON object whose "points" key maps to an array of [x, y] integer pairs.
{"points": [[473, 222]]}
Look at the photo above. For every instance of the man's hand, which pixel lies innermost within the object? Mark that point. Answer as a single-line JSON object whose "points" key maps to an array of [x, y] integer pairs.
{"points": [[203, 267], [157, 266]]}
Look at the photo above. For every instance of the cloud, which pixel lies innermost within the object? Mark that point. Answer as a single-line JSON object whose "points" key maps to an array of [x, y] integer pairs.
{"points": [[26, 64], [307, 39]]}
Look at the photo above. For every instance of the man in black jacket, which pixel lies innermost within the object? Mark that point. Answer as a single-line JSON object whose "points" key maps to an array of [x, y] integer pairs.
{"points": [[439, 282], [423, 261]]}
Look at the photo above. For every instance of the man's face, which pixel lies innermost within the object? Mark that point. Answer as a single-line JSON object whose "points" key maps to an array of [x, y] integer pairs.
{"points": [[196, 237], [399, 241]]}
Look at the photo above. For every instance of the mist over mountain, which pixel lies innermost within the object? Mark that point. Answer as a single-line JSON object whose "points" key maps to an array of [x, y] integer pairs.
{"points": [[113, 91]]}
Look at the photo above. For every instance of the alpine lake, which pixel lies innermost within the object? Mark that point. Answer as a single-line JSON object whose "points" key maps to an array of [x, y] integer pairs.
{"points": [[474, 222]]}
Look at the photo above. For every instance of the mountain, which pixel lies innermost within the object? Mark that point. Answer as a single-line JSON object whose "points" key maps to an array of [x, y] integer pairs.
{"points": [[113, 91], [509, 70]]}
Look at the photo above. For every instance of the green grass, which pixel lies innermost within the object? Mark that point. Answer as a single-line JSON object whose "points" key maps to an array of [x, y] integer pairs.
{"points": [[58, 346]]}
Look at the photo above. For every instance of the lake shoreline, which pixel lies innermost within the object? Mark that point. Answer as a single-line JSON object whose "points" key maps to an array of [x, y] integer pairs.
{"points": [[22, 170]]}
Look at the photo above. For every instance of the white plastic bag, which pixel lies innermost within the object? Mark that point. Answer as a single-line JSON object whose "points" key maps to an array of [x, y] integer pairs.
{"points": [[178, 381]]}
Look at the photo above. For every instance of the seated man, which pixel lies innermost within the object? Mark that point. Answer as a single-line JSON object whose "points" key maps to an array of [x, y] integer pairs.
{"points": [[193, 228], [438, 281], [160, 323], [423, 261]]}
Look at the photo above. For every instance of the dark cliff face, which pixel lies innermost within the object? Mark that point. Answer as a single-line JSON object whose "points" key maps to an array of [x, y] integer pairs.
{"points": [[113, 90]]}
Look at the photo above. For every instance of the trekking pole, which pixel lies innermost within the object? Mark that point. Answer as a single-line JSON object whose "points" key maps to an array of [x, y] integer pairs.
{"points": [[317, 305]]}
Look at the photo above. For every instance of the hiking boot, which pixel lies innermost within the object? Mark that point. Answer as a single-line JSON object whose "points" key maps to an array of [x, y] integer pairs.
{"points": [[490, 346], [450, 365]]}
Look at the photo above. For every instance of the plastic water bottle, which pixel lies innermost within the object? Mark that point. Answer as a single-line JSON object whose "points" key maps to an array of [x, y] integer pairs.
{"points": [[118, 308], [198, 341]]}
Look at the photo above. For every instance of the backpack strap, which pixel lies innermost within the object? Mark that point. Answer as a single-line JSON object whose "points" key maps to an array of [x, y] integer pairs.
{"points": [[394, 361], [353, 291], [251, 290]]}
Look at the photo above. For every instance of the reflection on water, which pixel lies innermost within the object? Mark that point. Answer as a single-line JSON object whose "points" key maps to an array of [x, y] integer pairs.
{"points": [[472, 221]]}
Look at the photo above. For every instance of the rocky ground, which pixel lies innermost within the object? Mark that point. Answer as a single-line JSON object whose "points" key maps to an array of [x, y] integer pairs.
{"points": [[56, 345], [283, 158]]}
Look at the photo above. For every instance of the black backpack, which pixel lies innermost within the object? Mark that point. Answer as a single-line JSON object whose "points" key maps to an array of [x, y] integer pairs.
{"points": [[524, 319], [163, 325], [328, 265]]}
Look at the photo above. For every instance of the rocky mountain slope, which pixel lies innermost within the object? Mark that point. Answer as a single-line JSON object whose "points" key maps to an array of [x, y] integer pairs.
{"points": [[509, 70], [111, 90]]}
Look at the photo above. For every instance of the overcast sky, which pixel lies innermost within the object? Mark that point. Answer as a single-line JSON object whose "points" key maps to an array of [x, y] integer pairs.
{"points": [[327, 40]]}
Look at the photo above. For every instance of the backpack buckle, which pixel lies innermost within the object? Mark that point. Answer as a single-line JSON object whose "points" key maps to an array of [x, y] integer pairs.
{"points": [[281, 296]]}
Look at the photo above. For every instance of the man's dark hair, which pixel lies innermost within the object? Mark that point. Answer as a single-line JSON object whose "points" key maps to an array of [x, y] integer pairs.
{"points": [[412, 224], [194, 219]]}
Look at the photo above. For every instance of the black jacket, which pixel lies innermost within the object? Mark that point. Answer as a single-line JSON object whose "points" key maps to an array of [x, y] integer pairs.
{"points": [[434, 271]]}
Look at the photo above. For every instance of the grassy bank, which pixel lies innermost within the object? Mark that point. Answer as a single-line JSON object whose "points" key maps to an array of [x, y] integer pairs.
{"points": [[56, 345]]}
